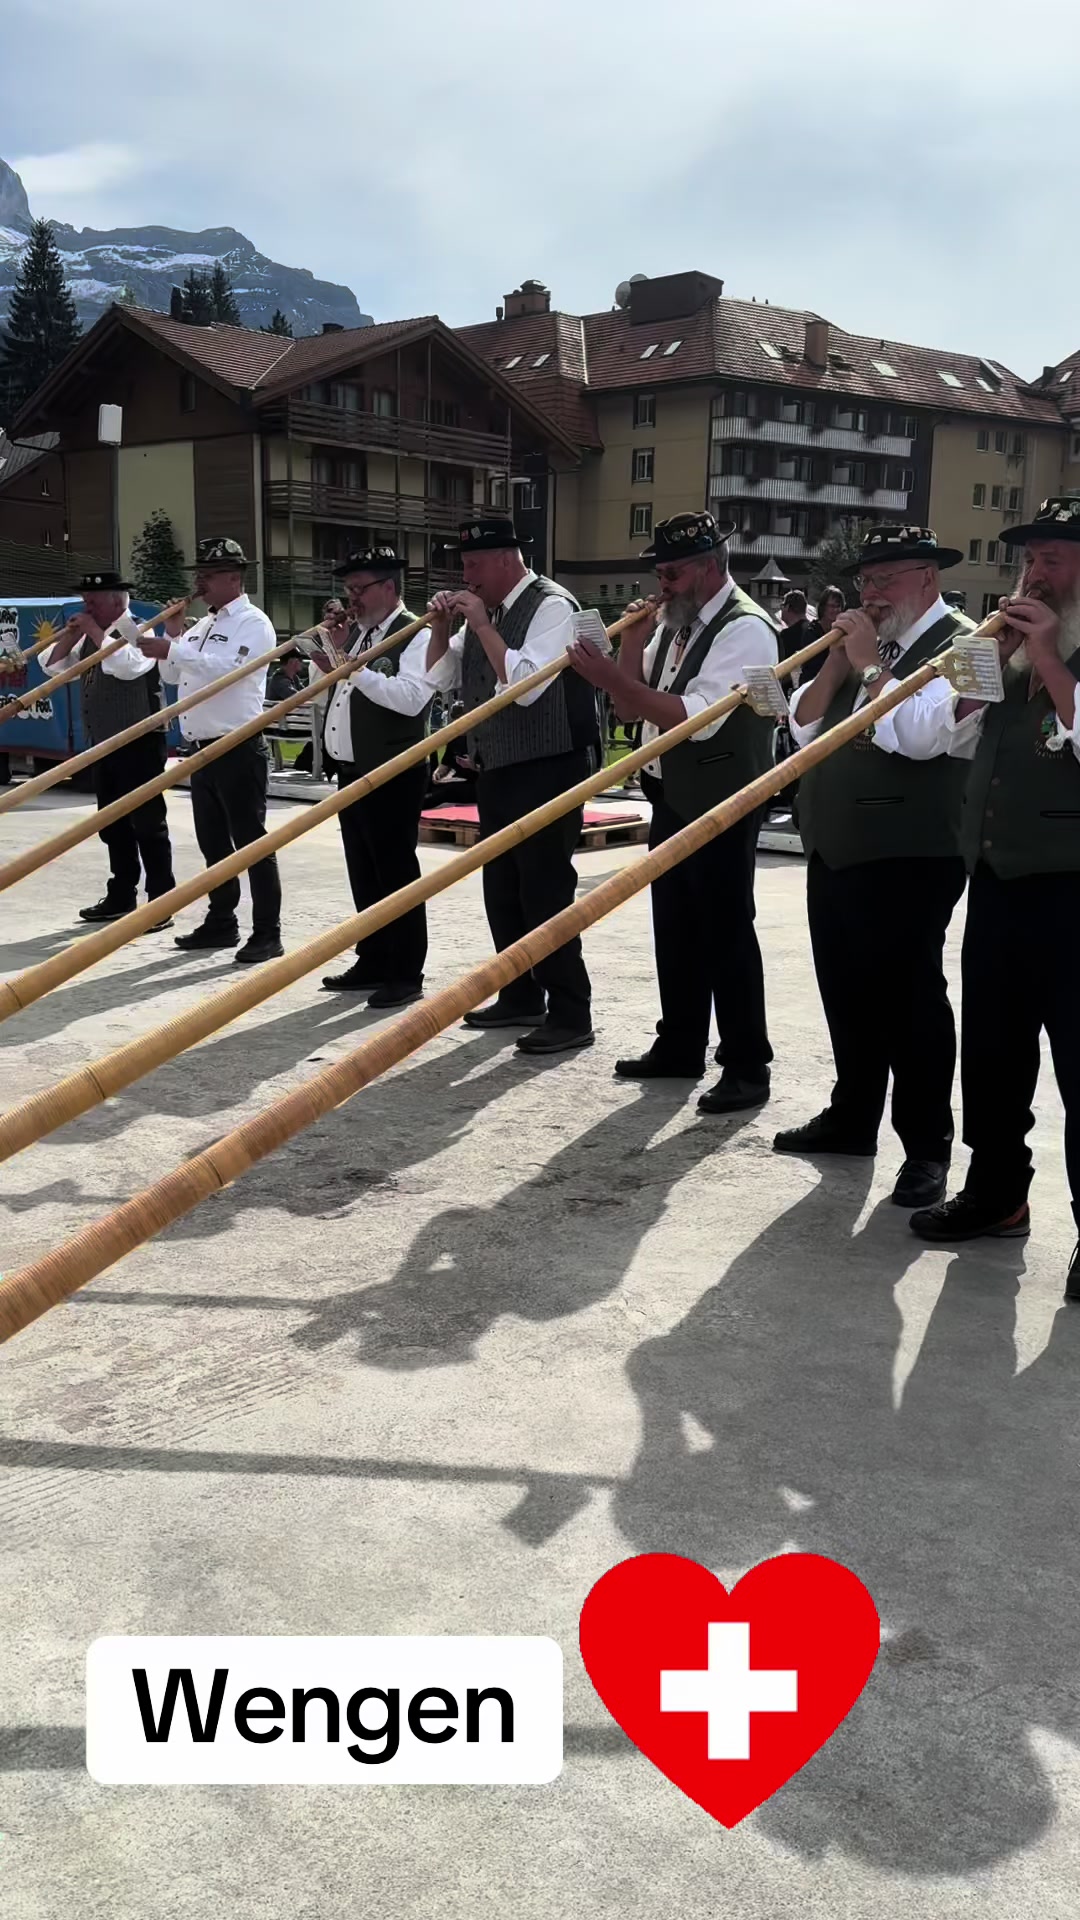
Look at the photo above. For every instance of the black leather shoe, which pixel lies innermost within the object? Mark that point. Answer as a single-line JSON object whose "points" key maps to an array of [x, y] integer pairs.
{"points": [[966, 1218], [1072, 1278], [656, 1065], [734, 1092], [106, 909], [397, 993], [207, 936], [261, 946], [554, 1040], [822, 1135], [353, 980], [499, 1016], [920, 1183]]}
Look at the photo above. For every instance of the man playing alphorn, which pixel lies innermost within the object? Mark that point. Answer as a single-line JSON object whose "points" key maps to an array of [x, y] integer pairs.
{"points": [[1021, 834], [880, 821], [707, 953], [116, 694], [228, 797], [373, 715], [517, 621]]}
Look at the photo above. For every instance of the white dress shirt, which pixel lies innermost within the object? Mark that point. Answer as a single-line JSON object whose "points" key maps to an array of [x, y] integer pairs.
{"points": [[127, 663], [549, 634], [921, 727], [211, 648], [745, 642], [965, 734], [406, 691]]}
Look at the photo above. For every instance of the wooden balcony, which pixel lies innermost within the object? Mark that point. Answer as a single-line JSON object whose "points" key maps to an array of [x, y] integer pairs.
{"points": [[790, 433], [376, 432], [317, 577], [314, 500]]}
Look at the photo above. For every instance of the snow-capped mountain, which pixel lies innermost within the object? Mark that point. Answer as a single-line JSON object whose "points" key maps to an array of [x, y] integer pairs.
{"points": [[150, 261]]}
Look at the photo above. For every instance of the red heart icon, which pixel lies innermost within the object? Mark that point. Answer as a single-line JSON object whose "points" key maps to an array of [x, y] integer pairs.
{"points": [[729, 1694]]}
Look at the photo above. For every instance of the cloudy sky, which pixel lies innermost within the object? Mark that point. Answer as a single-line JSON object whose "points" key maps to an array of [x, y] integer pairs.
{"points": [[907, 171]]}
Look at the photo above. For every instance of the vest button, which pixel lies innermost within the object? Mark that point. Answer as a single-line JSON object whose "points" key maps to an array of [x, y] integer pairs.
{"points": [[988, 843], [989, 813], [995, 782]]}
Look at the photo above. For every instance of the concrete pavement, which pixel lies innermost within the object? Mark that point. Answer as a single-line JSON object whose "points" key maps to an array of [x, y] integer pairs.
{"points": [[465, 1344]]}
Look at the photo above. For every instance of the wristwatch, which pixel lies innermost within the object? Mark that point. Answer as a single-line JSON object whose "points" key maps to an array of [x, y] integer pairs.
{"points": [[871, 675]]}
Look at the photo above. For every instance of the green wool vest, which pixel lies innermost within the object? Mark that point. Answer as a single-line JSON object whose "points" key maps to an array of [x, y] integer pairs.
{"points": [[378, 733], [700, 773], [1023, 801], [863, 804]]}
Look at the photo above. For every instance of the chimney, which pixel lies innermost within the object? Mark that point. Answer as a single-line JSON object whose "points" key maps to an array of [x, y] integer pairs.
{"points": [[498, 313], [816, 349], [1047, 376], [531, 297], [332, 326]]}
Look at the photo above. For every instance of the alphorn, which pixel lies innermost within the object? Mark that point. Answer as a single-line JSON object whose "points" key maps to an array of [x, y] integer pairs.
{"points": [[47, 687], [77, 1093], [165, 715], [30, 1291], [35, 981], [40, 856]]}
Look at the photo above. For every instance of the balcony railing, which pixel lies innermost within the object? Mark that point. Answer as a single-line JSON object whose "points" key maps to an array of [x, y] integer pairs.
{"points": [[743, 486], [345, 427], [317, 576], [790, 433], [312, 500], [778, 545]]}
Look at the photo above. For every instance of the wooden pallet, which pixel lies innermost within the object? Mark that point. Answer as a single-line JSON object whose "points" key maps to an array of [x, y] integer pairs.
{"points": [[594, 837]]}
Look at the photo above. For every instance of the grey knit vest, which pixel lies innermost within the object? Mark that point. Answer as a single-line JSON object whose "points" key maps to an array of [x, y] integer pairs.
{"points": [[109, 705], [564, 718]]}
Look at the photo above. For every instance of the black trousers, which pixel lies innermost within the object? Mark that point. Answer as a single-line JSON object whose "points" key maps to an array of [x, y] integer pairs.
{"points": [[1020, 976], [878, 933], [538, 879], [228, 801], [379, 834], [139, 843], [707, 952]]}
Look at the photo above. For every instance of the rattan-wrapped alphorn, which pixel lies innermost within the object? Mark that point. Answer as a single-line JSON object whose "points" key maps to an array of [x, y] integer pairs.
{"points": [[33, 694]]}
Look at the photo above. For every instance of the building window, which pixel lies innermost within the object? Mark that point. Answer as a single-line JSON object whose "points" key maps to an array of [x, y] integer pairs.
{"points": [[974, 551], [903, 425], [950, 379], [978, 495], [384, 403], [644, 409], [997, 495], [347, 396], [999, 443], [497, 491], [1014, 499], [640, 522], [187, 393], [602, 590], [526, 496], [990, 604], [773, 353], [851, 419], [1016, 451], [642, 464], [982, 440], [991, 551]]}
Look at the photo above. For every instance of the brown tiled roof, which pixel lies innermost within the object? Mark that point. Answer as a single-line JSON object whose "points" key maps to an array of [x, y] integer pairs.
{"points": [[558, 385], [1065, 392], [267, 360], [721, 340]]}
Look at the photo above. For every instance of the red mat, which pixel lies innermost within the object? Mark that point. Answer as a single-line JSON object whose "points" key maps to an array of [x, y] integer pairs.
{"points": [[468, 816]]}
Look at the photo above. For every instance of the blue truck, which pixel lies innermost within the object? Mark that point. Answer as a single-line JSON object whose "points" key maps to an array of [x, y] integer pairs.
{"points": [[50, 729]]}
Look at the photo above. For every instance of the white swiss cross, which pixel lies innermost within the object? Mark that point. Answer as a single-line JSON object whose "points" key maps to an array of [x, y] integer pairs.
{"points": [[729, 1690]]}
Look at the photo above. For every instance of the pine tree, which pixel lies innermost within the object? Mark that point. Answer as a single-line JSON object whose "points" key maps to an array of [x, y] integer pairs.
{"points": [[279, 324], [223, 297], [42, 323], [157, 562], [197, 301]]}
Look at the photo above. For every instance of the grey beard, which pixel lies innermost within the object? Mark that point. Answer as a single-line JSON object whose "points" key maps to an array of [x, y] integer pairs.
{"points": [[681, 610], [893, 627], [1068, 636]]}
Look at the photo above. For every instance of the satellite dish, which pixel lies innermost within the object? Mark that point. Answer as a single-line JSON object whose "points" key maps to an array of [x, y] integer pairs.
{"points": [[635, 277], [622, 294]]}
